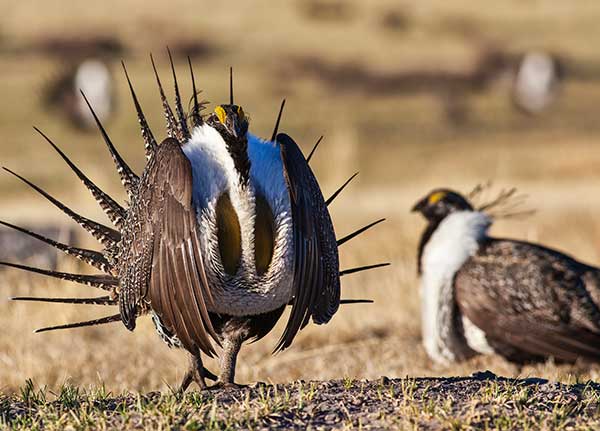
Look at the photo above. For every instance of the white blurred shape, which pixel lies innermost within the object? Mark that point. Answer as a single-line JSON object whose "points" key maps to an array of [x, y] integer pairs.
{"points": [[536, 82], [94, 79]]}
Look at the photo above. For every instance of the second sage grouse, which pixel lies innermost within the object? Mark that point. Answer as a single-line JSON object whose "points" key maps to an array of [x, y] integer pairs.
{"points": [[481, 294], [222, 232]]}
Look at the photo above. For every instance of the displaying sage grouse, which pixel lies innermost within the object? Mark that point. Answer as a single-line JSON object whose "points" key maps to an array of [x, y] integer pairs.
{"points": [[481, 294], [223, 230]]}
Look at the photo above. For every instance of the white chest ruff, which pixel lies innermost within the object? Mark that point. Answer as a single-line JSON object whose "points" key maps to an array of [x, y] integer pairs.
{"points": [[246, 292], [452, 243]]}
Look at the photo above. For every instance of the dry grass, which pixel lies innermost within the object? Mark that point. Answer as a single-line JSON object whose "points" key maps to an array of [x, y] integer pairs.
{"points": [[403, 147], [478, 402]]}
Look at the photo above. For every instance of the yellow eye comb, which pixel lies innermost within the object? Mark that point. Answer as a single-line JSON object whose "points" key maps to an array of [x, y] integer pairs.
{"points": [[436, 197], [221, 114]]}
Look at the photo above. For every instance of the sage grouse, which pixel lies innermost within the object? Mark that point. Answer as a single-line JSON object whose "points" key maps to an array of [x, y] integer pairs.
{"points": [[482, 294], [223, 230]]}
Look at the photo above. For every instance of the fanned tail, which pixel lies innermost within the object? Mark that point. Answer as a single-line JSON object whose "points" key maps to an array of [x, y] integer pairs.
{"points": [[107, 236], [115, 212], [110, 238], [178, 128]]}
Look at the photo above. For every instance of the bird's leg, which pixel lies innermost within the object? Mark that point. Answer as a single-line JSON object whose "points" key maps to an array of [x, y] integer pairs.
{"points": [[196, 373], [231, 348]]}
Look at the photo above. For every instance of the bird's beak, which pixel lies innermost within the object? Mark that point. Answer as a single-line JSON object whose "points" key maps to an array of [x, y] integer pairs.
{"points": [[420, 206]]}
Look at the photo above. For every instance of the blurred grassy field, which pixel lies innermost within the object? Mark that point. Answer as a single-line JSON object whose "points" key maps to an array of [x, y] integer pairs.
{"points": [[403, 145]]}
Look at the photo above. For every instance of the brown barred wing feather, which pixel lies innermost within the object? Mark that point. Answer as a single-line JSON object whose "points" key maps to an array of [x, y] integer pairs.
{"points": [[169, 274]]}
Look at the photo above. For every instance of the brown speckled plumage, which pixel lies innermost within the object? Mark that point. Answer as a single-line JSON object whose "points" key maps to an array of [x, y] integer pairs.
{"points": [[529, 302], [153, 263]]}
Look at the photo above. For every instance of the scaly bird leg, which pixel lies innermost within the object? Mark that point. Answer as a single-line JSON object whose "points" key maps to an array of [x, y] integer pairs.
{"points": [[231, 348]]}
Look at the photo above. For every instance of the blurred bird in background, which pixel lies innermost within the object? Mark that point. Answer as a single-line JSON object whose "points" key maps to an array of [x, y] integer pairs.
{"points": [[94, 78], [536, 83], [482, 295]]}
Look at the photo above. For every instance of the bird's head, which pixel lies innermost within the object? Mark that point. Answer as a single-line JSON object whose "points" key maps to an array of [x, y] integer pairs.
{"points": [[232, 124], [230, 121], [439, 203]]}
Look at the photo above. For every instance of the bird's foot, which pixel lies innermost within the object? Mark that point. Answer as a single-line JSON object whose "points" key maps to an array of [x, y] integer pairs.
{"points": [[220, 385], [208, 375], [197, 376]]}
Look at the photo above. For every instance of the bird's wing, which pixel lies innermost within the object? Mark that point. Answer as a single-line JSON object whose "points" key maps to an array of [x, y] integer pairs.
{"points": [[316, 264], [530, 299], [168, 271]]}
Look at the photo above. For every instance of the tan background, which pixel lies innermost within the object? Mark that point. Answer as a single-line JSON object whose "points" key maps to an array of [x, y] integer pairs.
{"points": [[402, 142]]}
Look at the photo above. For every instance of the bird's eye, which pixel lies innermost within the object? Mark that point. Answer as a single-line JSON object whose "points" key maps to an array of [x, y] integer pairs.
{"points": [[221, 114], [240, 113]]}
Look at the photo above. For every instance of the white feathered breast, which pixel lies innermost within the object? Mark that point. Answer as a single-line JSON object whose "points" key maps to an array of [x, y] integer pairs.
{"points": [[246, 292], [453, 242]]}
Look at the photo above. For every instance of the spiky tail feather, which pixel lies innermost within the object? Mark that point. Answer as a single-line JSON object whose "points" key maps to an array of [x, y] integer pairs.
{"points": [[115, 212], [362, 268], [150, 144], [338, 191], [94, 322], [100, 300], [91, 257], [108, 237], [182, 123], [172, 129], [176, 127]]}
